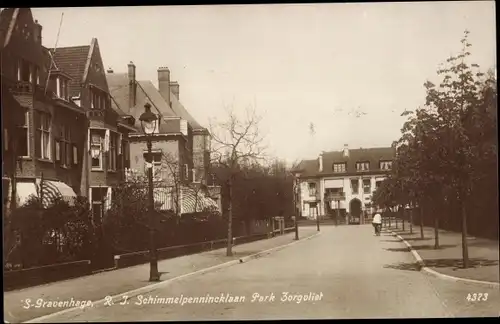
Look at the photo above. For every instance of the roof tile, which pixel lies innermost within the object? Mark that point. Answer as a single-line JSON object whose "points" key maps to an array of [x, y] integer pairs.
{"points": [[72, 60]]}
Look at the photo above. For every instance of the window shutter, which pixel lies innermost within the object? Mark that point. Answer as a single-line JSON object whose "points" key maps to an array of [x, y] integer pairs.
{"points": [[106, 141], [75, 154], [186, 172], [120, 143], [58, 150], [108, 198], [88, 140]]}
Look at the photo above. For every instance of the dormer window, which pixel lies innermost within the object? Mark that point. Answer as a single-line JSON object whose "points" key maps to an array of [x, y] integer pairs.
{"points": [[339, 167], [62, 87], [362, 166], [386, 165]]}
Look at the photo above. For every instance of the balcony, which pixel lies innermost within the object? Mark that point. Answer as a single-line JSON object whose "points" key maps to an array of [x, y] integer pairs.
{"points": [[335, 196]]}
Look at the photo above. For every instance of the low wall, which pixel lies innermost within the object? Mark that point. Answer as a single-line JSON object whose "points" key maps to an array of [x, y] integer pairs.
{"points": [[135, 258], [17, 279]]}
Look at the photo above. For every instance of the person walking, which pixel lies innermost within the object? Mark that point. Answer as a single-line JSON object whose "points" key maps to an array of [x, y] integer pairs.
{"points": [[377, 223]]}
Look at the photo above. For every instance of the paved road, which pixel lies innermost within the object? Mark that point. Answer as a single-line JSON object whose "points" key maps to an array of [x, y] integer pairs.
{"points": [[346, 272]]}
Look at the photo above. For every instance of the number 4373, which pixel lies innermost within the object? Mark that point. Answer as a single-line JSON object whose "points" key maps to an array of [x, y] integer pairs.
{"points": [[477, 297]]}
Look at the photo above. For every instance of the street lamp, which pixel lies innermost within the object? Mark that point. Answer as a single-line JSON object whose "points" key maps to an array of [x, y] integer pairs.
{"points": [[148, 124]]}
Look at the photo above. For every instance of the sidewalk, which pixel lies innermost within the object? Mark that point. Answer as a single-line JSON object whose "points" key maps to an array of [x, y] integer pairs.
{"points": [[98, 286], [483, 253]]}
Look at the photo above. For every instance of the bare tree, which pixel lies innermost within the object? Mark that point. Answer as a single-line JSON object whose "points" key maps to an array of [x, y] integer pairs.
{"points": [[235, 142]]}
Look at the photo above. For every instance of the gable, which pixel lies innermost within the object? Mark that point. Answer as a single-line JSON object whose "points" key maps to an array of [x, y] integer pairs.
{"points": [[94, 71], [18, 30], [72, 60]]}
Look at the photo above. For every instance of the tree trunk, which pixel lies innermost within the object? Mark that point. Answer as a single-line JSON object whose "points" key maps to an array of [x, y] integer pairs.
{"points": [[230, 219], [465, 249], [411, 218], [436, 232], [422, 221], [403, 217]]}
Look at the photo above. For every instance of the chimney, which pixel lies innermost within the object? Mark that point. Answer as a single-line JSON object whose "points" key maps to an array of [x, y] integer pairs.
{"points": [[174, 88], [320, 160], [164, 83], [346, 151], [132, 93], [38, 32]]}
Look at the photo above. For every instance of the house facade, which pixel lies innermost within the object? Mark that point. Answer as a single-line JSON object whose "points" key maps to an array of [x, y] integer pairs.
{"points": [[351, 174], [179, 143], [105, 149], [43, 129]]}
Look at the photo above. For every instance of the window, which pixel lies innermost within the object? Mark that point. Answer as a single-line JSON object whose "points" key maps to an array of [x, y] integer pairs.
{"points": [[156, 162], [23, 139], [366, 186], [339, 167], [312, 189], [113, 150], [98, 99], [66, 149], [25, 73], [355, 186], [43, 136], [378, 184], [96, 148], [385, 165], [363, 166]]}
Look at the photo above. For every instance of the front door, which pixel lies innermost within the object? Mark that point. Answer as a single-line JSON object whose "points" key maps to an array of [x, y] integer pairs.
{"points": [[355, 210]]}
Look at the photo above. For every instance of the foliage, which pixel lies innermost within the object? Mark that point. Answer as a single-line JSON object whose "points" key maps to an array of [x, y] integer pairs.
{"points": [[447, 153]]}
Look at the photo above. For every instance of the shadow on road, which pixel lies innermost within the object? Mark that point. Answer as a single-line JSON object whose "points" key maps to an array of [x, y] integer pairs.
{"points": [[458, 263], [417, 238], [431, 247], [407, 266], [391, 241], [403, 249]]}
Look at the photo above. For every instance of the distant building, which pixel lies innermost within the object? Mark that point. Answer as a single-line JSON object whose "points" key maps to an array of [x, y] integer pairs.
{"points": [[352, 173]]}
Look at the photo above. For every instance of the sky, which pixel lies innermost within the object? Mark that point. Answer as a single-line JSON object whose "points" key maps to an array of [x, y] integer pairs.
{"points": [[297, 65]]}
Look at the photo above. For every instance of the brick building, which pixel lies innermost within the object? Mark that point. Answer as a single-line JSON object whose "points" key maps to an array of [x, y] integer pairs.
{"points": [[43, 129]]}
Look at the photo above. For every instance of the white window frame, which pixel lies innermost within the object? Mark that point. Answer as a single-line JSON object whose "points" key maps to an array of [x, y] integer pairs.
{"points": [[312, 190], [95, 144], [362, 166], [369, 186], [357, 186], [44, 132], [339, 167]]}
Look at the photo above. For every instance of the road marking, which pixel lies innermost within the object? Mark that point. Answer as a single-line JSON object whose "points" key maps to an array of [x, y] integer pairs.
{"points": [[434, 273], [149, 288]]}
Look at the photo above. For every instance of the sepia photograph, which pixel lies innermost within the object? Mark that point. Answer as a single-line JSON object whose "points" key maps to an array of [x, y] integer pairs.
{"points": [[325, 161]]}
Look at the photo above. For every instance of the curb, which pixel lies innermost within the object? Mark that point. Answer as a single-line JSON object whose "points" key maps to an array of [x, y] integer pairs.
{"points": [[152, 287], [430, 272]]}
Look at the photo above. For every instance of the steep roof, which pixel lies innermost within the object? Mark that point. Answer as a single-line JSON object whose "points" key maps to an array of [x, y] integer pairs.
{"points": [[156, 98], [6, 17], [310, 168], [180, 111], [72, 60]]}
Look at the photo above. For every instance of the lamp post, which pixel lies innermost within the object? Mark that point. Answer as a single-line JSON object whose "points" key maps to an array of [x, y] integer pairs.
{"points": [[149, 124]]}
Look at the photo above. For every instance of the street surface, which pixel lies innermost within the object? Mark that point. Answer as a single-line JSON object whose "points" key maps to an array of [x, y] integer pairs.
{"points": [[346, 272]]}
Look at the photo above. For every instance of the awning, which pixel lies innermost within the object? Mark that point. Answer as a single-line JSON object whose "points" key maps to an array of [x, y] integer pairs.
{"points": [[194, 201], [51, 190]]}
